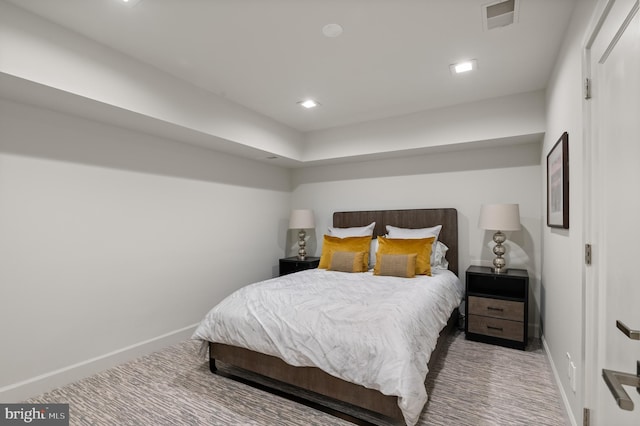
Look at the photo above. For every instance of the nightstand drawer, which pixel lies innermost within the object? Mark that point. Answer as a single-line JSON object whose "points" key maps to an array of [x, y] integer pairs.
{"points": [[496, 308], [505, 329]]}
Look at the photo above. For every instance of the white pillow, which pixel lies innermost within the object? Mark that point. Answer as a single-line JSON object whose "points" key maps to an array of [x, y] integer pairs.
{"points": [[373, 249], [439, 259], [356, 231], [410, 233]]}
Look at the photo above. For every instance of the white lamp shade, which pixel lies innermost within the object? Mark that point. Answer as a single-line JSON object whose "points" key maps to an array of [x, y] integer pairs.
{"points": [[499, 217], [301, 219]]}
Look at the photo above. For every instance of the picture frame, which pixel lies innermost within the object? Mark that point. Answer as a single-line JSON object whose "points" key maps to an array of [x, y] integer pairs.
{"points": [[558, 184]]}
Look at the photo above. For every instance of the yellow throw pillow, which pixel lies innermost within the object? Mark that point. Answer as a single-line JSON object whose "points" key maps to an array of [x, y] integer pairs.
{"points": [[333, 244], [421, 246], [347, 261], [396, 265]]}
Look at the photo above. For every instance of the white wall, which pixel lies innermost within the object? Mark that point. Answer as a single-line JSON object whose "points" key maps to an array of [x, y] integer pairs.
{"points": [[562, 256], [114, 243], [462, 179]]}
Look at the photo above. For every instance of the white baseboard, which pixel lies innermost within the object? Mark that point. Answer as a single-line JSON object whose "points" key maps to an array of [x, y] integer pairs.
{"points": [[565, 400], [34, 386]]}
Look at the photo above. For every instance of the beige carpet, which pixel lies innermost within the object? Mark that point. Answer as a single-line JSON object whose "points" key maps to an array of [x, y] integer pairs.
{"points": [[476, 384]]}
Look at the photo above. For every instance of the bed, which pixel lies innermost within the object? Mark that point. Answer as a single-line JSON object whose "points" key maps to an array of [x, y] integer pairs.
{"points": [[240, 331]]}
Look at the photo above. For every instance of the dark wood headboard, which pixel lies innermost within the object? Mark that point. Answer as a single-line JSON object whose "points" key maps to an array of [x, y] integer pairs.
{"points": [[418, 218]]}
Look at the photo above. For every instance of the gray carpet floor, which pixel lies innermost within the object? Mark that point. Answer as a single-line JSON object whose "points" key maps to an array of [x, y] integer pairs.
{"points": [[473, 384]]}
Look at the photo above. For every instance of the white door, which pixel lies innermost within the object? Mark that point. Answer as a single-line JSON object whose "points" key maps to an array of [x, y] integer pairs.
{"points": [[613, 61]]}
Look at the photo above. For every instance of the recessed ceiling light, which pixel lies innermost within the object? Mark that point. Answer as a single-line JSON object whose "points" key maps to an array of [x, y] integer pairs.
{"points": [[462, 67], [332, 30], [309, 103]]}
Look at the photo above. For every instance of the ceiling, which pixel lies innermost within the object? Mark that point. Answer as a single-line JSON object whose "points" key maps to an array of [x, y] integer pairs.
{"points": [[392, 58]]}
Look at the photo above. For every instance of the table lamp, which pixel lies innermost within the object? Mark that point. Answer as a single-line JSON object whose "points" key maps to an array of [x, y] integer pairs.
{"points": [[301, 219], [499, 217]]}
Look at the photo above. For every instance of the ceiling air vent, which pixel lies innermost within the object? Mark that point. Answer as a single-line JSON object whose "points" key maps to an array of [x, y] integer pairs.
{"points": [[499, 14]]}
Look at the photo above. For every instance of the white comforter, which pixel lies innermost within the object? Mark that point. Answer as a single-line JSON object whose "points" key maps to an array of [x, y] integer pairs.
{"points": [[375, 331]]}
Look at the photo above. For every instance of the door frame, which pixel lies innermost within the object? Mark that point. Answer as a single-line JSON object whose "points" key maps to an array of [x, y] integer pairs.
{"points": [[593, 289], [590, 233]]}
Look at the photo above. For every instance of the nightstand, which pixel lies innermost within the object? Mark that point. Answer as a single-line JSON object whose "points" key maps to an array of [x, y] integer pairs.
{"points": [[497, 305], [289, 265]]}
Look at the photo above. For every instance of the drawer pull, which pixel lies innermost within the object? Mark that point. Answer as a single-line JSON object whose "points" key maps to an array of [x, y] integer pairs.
{"points": [[491, 308], [494, 328]]}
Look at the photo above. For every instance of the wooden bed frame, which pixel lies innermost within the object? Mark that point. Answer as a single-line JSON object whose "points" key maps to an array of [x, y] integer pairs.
{"points": [[315, 380]]}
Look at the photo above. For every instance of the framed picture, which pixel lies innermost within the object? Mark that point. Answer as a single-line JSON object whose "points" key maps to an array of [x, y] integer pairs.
{"points": [[558, 184]]}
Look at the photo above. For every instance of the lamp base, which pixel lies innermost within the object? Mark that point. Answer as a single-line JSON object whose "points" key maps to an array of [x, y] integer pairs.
{"points": [[302, 251], [499, 264]]}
